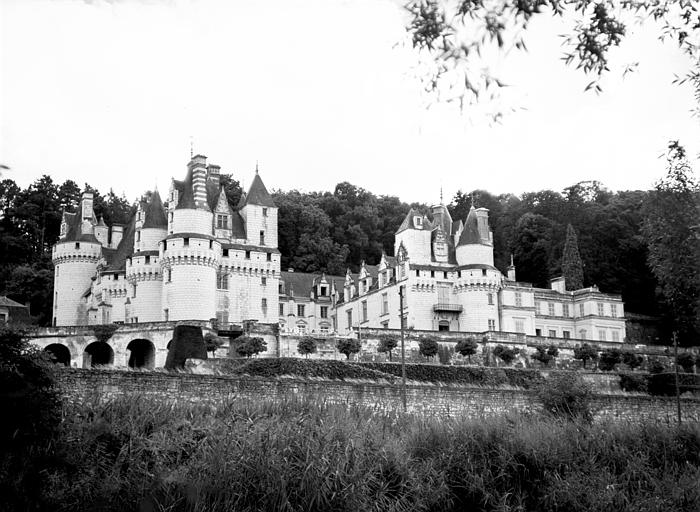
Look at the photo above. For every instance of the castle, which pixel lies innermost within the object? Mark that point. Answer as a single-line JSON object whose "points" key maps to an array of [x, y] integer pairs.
{"points": [[193, 257]]}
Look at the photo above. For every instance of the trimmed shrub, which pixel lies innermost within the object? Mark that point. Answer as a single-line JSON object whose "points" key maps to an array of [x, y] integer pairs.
{"points": [[467, 347], [609, 359], [632, 360], [428, 347], [656, 366], [212, 342], [187, 343], [327, 369], [565, 395], [585, 353], [387, 343], [506, 354], [306, 346], [250, 345], [544, 356], [348, 346]]}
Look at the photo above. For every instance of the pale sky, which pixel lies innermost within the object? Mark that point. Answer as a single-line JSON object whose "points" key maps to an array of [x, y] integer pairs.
{"points": [[318, 92]]}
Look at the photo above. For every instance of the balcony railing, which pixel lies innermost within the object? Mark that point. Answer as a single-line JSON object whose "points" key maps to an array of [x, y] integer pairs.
{"points": [[453, 308]]}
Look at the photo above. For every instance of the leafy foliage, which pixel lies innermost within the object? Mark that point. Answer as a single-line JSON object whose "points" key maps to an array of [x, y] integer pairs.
{"points": [[187, 343], [505, 354], [427, 346], [565, 395], [348, 346], [467, 347], [670, 214], [634, 382], [632, 360], [545, 355], [248, 346], [327, 369], [686, 361], [585, 353], [609, 359], [664, 384], [306, 346], [387, 343]]}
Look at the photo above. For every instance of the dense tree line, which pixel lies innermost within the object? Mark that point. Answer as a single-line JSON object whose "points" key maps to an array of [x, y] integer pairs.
{"points": [[636, 243]]}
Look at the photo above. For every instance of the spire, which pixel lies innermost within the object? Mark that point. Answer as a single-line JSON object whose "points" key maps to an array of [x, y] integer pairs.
{"points": [[441, 201], [256, 167], [258, 194], [470, 232], [155, 213]]}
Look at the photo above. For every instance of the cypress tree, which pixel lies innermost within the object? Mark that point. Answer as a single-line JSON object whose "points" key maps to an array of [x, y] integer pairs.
{"points": [[571, 264]]}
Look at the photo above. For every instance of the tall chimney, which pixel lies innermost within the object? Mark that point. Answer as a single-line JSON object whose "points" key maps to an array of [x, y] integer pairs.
{"points": [[213, 174], [87, 213], [198, 165]]}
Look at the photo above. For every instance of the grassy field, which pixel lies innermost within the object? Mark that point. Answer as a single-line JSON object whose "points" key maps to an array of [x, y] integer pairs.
{"points": [[136, 453]]}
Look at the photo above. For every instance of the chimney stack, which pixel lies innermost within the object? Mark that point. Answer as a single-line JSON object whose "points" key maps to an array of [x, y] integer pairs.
{"points": [[198, 166], [213, 174]]}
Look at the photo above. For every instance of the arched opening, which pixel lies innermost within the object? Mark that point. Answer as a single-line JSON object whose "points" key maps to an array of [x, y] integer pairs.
{"points": [[98, 353], [142, 354], [59, 353], [443, 325]]}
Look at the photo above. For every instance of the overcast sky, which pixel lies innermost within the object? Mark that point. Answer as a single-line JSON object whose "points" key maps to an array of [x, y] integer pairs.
{"points": [[319, 92]]}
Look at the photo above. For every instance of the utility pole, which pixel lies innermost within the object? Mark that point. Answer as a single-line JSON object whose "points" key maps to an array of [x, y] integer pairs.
{"points": [[403, 352], [675, 366]]}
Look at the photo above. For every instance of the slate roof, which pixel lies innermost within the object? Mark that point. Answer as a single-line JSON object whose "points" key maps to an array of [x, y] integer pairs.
{"points": [[470, 233], [9, 303], [408, 221], [303, 283], [258, 194], [185, 197], [116, 258], [74, 232], [155, 213]]}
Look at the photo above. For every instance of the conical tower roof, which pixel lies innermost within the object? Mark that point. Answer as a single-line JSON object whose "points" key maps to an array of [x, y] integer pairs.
{"points": [[155, 213], [258, 194], [470, 233]]}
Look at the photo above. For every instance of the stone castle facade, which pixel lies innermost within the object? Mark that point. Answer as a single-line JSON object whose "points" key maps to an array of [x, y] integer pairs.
{"points": [[191, 257]]}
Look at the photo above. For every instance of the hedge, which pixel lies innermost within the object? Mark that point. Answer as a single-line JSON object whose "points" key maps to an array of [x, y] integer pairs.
{"points": [[335, 370], [664, 384]]}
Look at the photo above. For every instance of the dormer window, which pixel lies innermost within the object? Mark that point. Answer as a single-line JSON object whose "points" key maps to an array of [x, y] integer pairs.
{"points": [[221, 221], [418, 221], [324, 291]]}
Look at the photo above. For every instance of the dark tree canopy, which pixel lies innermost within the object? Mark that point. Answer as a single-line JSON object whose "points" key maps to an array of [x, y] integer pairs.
{"points": [[571, 265]]}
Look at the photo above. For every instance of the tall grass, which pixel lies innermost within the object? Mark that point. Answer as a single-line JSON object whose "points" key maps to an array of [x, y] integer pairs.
{"points": [[139, 453]]}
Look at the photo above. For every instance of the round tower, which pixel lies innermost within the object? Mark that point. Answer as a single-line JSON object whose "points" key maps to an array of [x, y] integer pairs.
{"points": [[75, 258], [143, 268], [189, 263], [475, 244], [477, 292]]}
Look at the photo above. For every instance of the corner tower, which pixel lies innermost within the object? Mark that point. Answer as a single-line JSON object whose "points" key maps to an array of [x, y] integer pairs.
{"points": [[475, 244], [259, 213]]}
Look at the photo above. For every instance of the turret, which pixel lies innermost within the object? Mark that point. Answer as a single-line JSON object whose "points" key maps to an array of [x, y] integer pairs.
{"points": [[475, 246], [192, 213], [260, 215], [415, 233]]}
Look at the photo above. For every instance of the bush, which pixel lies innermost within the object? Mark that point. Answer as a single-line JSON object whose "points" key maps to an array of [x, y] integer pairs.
{"points": [[686, 361], [632, 360], [506, 354], [609, 359], [306, 346], [634, 382], [565, 395], [467, 348], [664, 384], [544, 356], [250, 345], [585, 353], [334, 370], [428, 347], [348, 346], [187, 343], [387, 343], [212, 342], [656, 366]]}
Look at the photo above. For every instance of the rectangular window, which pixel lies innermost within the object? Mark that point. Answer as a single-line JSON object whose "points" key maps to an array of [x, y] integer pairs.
{"points": [[364, 310], [166, 314], [264, 307], [566, 334], [222, 281], [581, 311], [483, 272], [565, 310], [385, 325], [349, 313], [138, 236], [492, 324], [134, 291], [613, 311], [225, 253], [269, 256], [222, 221], [247, 255], [77, 245], [538, 332], [262, 238], [170, 275], [459, 274], [264, 212], [281, 309], [550, 308], [432, 273], [444, 275], [518, 300], [615, 335], [263, 281], [519, 325], [490, 298], [324, 291], [148, 260], [186, 242], [601, 309], [601, 335], [300, 309], [385, 303], [552, 333], [324, 311]]}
